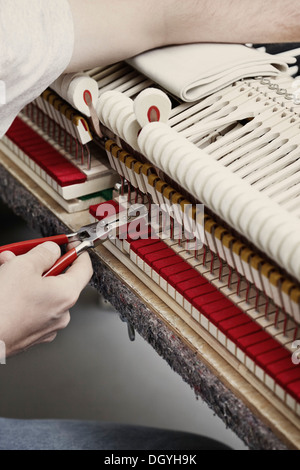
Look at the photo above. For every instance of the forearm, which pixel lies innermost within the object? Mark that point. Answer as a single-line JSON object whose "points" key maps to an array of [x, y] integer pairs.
{"points": [[233, 21], [107, 31]]}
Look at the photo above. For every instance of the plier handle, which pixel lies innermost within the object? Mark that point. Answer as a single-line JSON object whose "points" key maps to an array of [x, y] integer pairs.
{"points": [[89, 237]]}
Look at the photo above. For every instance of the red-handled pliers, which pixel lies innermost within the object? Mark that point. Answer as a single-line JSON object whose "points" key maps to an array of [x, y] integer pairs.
{"points": [[87, 236], [90, 236]]}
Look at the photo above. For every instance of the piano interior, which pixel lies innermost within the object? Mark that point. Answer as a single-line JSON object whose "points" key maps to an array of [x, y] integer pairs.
{"points": [[232, 271]]}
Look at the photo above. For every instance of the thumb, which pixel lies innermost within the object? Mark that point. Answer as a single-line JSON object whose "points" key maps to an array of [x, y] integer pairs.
{"points": [[6, 256], [43, 257]]}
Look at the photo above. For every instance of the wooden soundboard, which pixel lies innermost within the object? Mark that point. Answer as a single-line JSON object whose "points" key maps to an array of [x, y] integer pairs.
{"points": [[243, 409]]}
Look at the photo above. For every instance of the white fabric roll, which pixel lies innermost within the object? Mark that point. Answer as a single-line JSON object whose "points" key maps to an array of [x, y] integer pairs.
{"points": [[194, 71]]}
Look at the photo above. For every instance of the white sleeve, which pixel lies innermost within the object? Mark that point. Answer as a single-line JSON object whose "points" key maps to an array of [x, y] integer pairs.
{"points": [[36, 45]]}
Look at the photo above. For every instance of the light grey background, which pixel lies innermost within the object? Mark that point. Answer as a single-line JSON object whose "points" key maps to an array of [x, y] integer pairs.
{"points": [[93, 372]]}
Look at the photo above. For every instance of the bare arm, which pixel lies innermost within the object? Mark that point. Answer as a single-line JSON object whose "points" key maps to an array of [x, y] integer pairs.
{"points": [[107, 31]]}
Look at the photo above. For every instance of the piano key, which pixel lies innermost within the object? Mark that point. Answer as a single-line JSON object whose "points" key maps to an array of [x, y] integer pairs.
{"points": [[159, 267], [217, 315], [285, 379], [175, 280], [169, 272], [153, 248], [294, 390], [243, 331], [166, 255], [282, 365], [252, 339], [268, 361]]}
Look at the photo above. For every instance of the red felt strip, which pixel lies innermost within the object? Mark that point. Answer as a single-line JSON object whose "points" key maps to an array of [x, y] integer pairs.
{"points": [[44, 155]]}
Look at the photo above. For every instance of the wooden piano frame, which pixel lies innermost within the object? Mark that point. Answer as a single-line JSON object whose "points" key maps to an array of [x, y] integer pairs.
{"points": [[243, 409]]}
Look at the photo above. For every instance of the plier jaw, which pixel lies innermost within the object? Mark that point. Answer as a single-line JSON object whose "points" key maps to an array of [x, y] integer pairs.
{"points": [[93, 235], [90, 236]]}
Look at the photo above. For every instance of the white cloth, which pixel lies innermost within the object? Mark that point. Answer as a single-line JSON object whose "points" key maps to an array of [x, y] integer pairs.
{"points": [[36, 45], [192, 72]]}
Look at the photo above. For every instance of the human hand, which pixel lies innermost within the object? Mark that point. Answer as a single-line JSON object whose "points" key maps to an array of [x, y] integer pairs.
{"points": [[33, 309]]}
